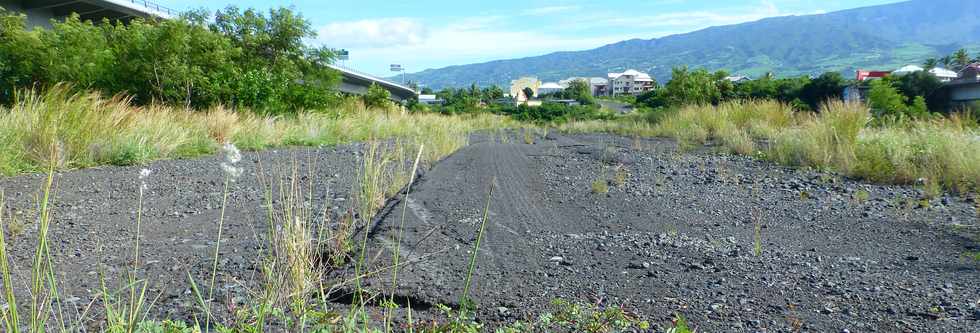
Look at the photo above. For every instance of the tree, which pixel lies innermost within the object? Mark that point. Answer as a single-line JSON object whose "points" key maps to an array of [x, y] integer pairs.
{"points": [[492, 93], [19, 55], [961, 59], [691, 87], [528, 92], [377, 97], [930, 63], [947, 61], [922, 84], [580, 91], [829, 85], [885, 100]]}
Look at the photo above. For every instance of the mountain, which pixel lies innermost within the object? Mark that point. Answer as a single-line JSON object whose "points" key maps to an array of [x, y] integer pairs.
{"points": [[886, 36]]}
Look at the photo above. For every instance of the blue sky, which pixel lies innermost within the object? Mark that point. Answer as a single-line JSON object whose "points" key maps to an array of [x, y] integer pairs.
{"points": [[423, 34]]}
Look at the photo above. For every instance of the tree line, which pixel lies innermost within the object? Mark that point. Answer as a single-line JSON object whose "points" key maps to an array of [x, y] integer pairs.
{"points": [[909, 95], [232, 57]]}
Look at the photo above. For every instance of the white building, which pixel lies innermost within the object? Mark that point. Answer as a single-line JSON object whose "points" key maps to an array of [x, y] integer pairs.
{"points": [[738, 79], [630, 82], [431, 100], [550, 88], [943, 74], [907, 70]]}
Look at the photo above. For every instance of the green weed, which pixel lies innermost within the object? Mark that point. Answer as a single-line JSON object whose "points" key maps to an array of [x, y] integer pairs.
{"points": [[600, 186]]}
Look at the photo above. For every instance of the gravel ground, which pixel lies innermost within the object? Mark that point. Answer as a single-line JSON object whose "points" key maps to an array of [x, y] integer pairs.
{"points": [[678, 236]]}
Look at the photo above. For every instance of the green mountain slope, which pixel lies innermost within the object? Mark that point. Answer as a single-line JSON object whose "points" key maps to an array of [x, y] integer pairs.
{"points": [[886, 36]]}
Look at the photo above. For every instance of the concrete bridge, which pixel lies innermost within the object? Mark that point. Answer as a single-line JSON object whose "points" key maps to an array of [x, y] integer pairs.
{"points": [[357, 83], [40, 12]]}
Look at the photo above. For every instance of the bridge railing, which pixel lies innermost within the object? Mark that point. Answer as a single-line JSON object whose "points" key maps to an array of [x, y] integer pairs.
{"points": [[155, 6], [370, 76]]}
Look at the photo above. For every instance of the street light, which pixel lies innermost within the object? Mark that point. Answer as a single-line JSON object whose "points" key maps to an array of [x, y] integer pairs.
{"points": [[398, 68]]}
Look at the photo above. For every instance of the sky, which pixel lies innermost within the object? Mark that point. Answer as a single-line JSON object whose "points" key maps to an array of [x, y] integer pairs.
{"points": [[422, 34]]}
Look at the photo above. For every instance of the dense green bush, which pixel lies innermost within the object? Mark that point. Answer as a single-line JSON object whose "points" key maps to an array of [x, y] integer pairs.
{"points": [[886, 101], [233, 57], [578, 90], [700, 87], [554, 112], [377, 97]]}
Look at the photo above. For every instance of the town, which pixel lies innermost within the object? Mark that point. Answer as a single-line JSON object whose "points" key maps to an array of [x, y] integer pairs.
{"points": [[960, 87]]}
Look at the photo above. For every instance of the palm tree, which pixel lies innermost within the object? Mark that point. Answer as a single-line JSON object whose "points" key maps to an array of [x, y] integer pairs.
{"points": [[947, 61], [961, 58], [930, 63]]}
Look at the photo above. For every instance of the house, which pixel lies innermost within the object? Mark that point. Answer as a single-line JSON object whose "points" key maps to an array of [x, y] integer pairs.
{"points": [[864, 75], [431, 100], [738, 79], [907, 70], [858, 92], [550, 88], [517, 88], [944, 75], [40, 12], [966, 88], [630, 82]]}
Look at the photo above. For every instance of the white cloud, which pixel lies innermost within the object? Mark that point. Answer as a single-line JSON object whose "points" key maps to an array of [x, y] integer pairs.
{"points": [[384, 32], [693, 19], [549, 10], [467, 41]]}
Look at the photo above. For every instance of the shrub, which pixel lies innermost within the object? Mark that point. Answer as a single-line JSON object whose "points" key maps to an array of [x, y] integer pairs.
{"points": [[242, 59], [377, 97]]}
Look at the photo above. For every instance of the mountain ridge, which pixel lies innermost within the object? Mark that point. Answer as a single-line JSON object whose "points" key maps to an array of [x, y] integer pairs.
{"points": [[881, 36]]}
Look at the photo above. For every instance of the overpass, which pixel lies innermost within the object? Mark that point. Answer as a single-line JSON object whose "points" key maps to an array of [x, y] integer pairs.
{"points": [[41, 12], [357, 83]]}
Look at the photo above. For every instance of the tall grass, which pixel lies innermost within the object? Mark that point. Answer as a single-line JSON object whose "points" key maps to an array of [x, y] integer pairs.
{"points": [[938, 152], [87, 129]]}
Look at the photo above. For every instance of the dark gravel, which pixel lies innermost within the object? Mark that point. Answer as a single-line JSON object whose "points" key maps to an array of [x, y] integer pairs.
{"points": [[677, 237]]}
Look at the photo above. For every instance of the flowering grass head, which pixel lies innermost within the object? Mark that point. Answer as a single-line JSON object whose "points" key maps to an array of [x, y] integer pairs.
{"points": [[144, 174], [231, 158]]}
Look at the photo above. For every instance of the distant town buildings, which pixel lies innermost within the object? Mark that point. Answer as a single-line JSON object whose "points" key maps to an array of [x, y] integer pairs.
{"points": [[963, 87], [630, 82], [738, 79]]}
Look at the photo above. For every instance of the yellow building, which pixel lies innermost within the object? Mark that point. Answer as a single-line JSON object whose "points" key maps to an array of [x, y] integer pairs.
{"points": [[517, 88]]}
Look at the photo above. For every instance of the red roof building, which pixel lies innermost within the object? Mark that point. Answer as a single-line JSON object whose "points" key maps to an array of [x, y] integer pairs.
{"points": [[863, 75]]}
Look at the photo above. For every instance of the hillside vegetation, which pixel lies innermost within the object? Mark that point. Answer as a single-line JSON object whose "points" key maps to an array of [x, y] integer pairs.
{"points": [[887, 37]]}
